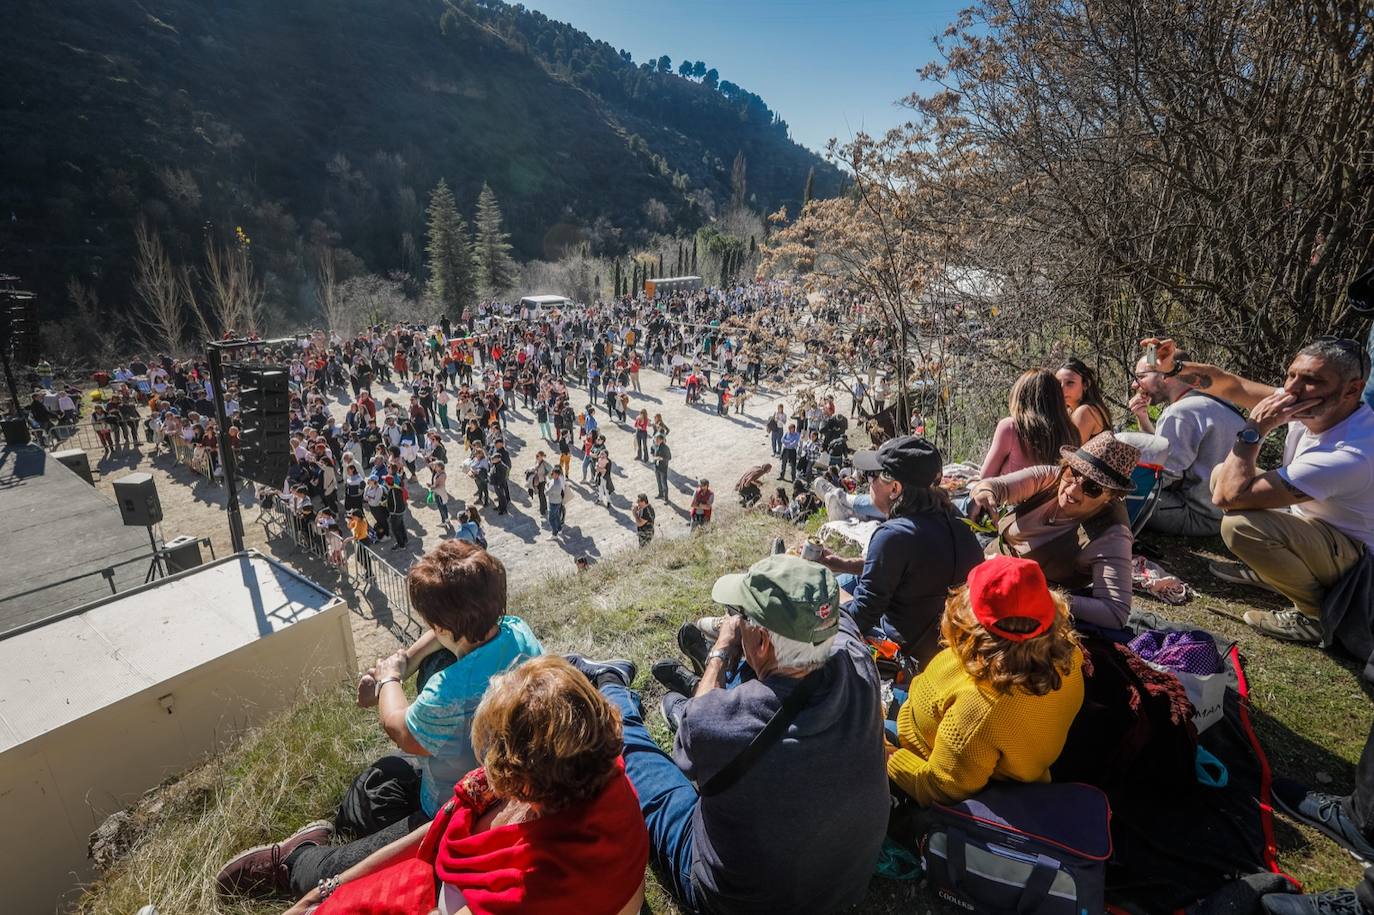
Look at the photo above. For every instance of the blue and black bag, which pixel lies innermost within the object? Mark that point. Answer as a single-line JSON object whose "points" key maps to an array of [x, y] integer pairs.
{"points": [[1016, 849]]}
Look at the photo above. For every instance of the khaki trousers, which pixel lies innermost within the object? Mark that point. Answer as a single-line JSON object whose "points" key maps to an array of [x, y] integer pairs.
{"points": [[1300, 557]]}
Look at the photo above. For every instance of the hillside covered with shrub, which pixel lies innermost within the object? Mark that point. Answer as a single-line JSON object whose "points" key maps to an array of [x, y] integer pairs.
{"points": [[314, 123]]}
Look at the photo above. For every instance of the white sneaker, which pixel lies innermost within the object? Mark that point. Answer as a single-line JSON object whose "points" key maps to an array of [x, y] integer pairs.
{"points": [[709, 626]]}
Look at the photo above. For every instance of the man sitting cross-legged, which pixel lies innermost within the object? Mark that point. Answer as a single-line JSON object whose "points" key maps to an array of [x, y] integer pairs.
{"points": [[775, 797], [1300, 528]]}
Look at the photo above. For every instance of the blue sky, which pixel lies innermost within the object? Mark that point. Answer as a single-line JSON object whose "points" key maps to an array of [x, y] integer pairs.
{"points": [[829, 67]]}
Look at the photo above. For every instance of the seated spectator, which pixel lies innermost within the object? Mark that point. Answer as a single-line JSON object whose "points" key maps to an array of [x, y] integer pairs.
{"points": [[998, 701], [1298, 529], [1200, 430], [459, 591], [549, 824], [1071, 519], [915, 556], [1038, 427], [733, 813], [1083, 396]]}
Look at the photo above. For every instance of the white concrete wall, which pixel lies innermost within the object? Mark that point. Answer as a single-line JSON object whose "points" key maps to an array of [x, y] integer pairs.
{"points": [[56, 788]]}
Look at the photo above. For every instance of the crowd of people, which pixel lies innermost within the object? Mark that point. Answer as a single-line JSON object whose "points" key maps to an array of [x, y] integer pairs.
{"points": [[531, 779]]}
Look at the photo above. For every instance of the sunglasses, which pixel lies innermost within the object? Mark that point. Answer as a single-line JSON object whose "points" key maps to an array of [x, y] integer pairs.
{"points": [[1091, 488], [1345, 344]]}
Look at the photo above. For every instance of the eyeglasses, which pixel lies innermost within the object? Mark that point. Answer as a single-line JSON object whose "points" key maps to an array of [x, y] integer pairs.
{"points": [[1091, 488], [1345, 344]]}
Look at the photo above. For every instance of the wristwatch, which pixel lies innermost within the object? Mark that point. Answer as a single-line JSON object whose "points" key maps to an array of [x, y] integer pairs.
{"points": [[1249, 435], [718, 653]]}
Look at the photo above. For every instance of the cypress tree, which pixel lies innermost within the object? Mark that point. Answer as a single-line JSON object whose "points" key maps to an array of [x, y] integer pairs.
{"points": [[660, 264], [448, 249], [694, 254], [495, 268], [810, 183], [618, 293]]}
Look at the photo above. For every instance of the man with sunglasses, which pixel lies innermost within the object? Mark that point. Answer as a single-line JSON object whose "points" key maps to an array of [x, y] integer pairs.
{"points": [[1200, 429], [1298, 529]]}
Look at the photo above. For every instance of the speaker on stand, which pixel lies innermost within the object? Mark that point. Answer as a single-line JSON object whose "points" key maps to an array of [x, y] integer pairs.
{"points": [[139, 506]]}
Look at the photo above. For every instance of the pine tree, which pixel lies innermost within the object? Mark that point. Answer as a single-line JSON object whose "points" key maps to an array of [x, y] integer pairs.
{"points": [[452, 272], [810, 182], [495, 268], [738, 182]]}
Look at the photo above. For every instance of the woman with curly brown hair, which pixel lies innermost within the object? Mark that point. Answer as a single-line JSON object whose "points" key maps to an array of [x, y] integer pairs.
{"points": [[548, 824], [998, 701]]}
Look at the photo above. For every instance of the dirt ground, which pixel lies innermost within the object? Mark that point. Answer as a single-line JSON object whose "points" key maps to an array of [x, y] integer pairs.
{"points": [[703, 445]]}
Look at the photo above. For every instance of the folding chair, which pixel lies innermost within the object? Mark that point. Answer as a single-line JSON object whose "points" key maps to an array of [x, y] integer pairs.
{"points": [[1148, 477]]}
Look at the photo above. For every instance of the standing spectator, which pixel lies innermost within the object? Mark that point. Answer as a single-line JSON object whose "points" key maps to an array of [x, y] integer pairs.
{"points": [[856, 398], [396, 512], [643, 514], [662, 454], [556, 496], [438, 486], [791, 439], [500, 475], [642, 436], [539, 480], [777, 425]]}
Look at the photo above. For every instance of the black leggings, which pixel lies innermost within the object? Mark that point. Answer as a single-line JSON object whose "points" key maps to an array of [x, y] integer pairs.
{"points": [[310, 864]]}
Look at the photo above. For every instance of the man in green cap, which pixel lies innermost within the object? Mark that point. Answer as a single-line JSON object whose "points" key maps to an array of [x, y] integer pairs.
{"points": [[775, 796]]}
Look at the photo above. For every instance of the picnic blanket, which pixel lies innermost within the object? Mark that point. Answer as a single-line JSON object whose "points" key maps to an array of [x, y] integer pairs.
{"points": [[1207, 849]]}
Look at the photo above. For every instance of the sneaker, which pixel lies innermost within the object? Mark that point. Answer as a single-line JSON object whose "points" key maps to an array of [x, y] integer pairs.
{"points": [[614, 672], [1289, 625], [676, 678], [695, 644], [1325, 813], [1239, 574], [1332, 902], [672, 705], [262, 871]]}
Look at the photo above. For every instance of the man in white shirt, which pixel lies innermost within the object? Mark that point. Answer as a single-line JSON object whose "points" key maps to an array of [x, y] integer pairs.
{"points": [[1300, 528]]}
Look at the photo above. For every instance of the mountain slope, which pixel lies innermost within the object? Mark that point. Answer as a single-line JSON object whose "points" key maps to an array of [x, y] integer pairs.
{"points": [[319, 121]]}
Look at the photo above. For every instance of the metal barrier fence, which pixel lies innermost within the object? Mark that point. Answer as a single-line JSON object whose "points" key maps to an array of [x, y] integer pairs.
{"points": [[356, 563], [83, 435]]}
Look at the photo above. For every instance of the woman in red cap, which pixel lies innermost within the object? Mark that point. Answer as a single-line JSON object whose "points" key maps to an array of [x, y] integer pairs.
{"points": [[998, 701]]}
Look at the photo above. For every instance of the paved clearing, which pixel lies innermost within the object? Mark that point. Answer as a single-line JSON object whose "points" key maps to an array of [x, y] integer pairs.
{"points": [[703, 444]]}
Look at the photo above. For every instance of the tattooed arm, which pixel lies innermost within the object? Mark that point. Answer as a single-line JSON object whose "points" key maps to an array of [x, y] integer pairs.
{"points": [[1210, 378]]}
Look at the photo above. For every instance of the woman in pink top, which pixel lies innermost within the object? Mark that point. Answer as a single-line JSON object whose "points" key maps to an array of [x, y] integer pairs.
{"points": [[1038, 427]]}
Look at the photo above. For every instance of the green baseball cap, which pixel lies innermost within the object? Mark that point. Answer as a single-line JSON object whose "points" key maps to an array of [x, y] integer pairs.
{"points": [[785, 594]]}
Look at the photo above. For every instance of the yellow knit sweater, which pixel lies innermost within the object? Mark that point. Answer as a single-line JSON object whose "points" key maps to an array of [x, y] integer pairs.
{"points": [[957, 733]]}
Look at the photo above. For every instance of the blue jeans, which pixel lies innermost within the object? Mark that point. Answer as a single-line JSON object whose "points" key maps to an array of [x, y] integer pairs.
{"points": [[775, 439], [666, 797], [555, 516]]}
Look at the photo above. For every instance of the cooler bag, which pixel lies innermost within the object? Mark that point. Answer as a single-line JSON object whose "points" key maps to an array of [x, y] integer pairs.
{"points": [[1016, 849]]}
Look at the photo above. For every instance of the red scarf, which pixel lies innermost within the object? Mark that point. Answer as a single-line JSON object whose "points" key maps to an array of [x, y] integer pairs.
{"points": [[587, 859]]}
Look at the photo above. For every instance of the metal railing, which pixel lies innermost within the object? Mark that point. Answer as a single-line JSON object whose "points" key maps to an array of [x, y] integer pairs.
{"points": [[83, 435], [356, 563]]}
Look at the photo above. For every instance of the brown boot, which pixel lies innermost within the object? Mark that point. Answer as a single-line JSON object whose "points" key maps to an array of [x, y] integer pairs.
{"points": [[262, 871]]}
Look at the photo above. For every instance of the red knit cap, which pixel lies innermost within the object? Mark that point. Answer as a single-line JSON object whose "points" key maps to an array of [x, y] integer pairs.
{"points": [[1007, 587]]}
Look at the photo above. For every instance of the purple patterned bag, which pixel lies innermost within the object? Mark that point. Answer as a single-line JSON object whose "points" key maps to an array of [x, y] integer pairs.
{"points": [[1187, 651]]}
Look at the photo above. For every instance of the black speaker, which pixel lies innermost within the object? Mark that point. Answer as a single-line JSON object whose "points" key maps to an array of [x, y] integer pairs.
{"points": [[16, 432], [264, 452], [136, 494]]}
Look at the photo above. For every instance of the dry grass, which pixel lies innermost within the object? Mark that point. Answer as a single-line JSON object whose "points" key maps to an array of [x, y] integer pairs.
{"points": [[1310, 709]]}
